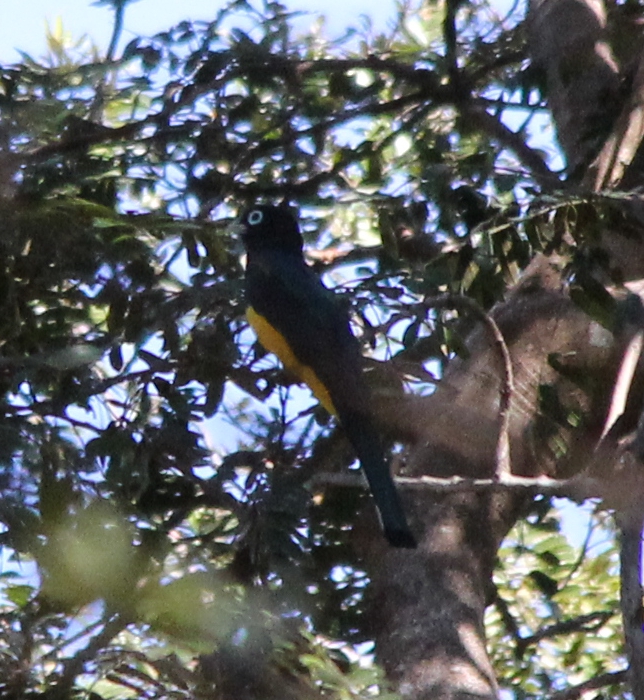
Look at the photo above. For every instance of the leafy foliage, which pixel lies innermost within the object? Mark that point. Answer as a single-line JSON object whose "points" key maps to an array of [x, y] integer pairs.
{"points": [[165, 509], [555, 620]]}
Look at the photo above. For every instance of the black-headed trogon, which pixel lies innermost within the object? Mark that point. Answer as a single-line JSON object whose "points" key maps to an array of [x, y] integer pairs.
{"points": [[298, 319]]}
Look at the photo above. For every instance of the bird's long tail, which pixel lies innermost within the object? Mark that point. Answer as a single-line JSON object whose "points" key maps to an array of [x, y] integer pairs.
{"points": [[365, 440]]}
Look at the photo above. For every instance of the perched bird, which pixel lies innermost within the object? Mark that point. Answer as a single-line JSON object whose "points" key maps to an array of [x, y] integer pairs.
{"points": [[298, 319]]}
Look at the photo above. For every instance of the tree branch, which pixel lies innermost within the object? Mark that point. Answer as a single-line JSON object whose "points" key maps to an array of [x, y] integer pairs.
{"points": [[623, 142], [602, 681], [584, 623], [74, 666], [495, 128], [518, 484]]}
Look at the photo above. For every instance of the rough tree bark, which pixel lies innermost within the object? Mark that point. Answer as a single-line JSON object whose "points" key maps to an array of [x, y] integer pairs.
{"points": [[429, 605]]}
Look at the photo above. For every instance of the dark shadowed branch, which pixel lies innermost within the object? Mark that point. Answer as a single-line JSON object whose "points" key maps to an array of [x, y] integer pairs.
{"points": [[604, 680]]}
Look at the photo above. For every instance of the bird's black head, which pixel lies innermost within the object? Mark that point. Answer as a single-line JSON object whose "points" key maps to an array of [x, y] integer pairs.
{"points": [[264, 226]]}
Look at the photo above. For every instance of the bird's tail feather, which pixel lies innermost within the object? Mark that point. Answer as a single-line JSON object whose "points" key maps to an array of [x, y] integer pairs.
{"points": [[365, 440]]}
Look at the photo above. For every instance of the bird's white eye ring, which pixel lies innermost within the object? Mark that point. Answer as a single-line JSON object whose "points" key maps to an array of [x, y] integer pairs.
{"points": [[255, 217]]}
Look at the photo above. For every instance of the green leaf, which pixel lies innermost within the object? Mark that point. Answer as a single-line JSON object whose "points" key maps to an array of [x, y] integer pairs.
{"points": [[19, 595]]}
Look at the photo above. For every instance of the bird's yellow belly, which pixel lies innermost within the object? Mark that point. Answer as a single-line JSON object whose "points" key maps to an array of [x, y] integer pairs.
{"points": [[275, 342]]}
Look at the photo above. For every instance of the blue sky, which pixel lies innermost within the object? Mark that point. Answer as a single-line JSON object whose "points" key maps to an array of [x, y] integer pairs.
{"points": [[23, 23]]}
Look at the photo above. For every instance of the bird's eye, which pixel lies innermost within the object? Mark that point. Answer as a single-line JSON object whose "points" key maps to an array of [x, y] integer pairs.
{"points": [[255, 217]]}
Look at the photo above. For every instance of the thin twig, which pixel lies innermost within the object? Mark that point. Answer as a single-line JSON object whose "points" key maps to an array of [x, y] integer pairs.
{"points": [[96, 108], [602, 681], [74, 666], [503, 462], [574, 487], [582, 555], [584, 623], [510, 624], [532, 159], [117, 29]]}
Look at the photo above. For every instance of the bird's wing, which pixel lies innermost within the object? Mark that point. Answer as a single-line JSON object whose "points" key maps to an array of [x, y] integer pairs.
{"points": [[293, 300]]}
